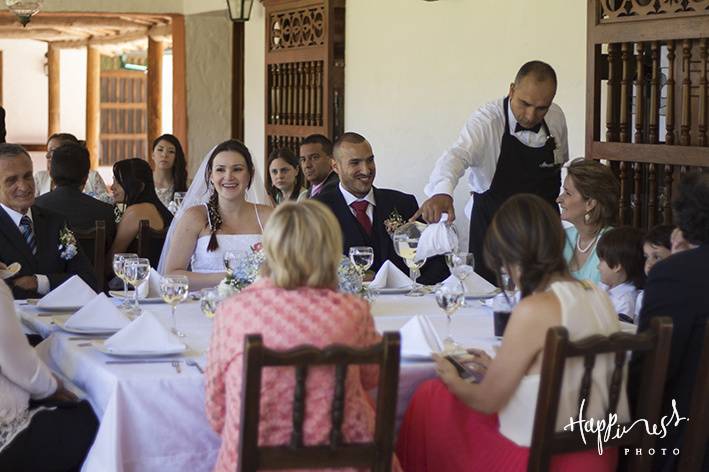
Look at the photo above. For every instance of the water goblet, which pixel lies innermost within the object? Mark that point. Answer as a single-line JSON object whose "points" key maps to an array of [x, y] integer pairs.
{"points": [[449, 298], [137, 272], [119, 260], [362, 257], [406, 239], [209, 299], [174, 290], [461, 265]]}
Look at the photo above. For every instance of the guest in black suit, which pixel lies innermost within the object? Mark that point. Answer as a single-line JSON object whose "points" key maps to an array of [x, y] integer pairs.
{"points": [[678, 287], [316, 162], [362, 209], [69, 171], [30, 234]]}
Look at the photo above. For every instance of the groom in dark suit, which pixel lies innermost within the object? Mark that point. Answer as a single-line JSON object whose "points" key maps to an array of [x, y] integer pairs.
{"points": [[30, 235], [362, 208]]}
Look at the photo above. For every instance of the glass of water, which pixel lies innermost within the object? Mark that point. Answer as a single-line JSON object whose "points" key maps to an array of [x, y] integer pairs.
{"points": [[209, 299], [449, 299], [119, 261], [174, 290], [362, 257], [406, 240], [136, 272]]}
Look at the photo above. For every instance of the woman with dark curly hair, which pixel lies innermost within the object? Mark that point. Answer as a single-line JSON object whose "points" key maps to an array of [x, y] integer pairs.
{"points": [[170, 174], [133, 186], [679, 287]]}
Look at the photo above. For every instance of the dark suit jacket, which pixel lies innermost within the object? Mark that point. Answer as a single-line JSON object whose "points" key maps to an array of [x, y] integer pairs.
{"points": [[14, 248], [330, 181], [387, 201], [677, 287], [81, 211]]}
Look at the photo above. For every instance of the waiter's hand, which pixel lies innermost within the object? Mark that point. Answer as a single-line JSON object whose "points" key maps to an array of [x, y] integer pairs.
{"points": [[432, 209]]}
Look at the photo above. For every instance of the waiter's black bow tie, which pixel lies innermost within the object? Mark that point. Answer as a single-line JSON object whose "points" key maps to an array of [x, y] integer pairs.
{"points": [[533, 129]]}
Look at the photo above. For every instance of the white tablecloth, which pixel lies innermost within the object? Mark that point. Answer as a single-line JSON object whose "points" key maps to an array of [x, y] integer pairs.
{"points": [[152, 418]]}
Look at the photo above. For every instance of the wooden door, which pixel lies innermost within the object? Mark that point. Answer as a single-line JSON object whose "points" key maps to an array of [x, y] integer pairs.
{"points": [[123, 115]]}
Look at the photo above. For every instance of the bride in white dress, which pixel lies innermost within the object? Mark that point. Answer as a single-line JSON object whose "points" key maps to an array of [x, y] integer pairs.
{"points": [[226, 221]]}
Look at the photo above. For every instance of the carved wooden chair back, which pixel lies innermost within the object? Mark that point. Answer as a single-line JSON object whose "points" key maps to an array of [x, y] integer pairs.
{"points": [[375, 455], [93, 241], [655, 343]]}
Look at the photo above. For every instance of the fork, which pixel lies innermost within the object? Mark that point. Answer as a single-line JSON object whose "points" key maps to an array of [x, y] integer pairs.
{"points": [[193, 363], [176, 365]]}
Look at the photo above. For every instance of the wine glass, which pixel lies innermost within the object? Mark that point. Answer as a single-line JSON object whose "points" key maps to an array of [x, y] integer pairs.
{"points": [[406, 239], [119, 260], [174, 290], [136, 272], [461, 265], [209, 299], [362, 257], [449, 299]]}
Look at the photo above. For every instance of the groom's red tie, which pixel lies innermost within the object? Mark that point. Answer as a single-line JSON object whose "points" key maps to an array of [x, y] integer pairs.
{"points": [[360, 209]]}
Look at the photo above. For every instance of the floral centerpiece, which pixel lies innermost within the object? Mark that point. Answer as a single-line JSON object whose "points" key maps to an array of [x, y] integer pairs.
{"points": [[244, 268]]}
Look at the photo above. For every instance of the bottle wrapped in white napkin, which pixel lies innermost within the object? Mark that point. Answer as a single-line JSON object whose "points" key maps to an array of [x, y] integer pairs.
{"points": [[437, 238], [419, 338], [390, 276], [73, 292], [144, 334], [100, 314], [474, 285], [150, 288]]}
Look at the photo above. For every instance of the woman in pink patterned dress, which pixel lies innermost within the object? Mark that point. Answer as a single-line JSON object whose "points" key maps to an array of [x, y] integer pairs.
{"points": [[295, 303]]}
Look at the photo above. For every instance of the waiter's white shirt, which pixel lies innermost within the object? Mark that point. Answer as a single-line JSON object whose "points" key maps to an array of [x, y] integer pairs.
{"points": [[478, 147], [42, 280]]}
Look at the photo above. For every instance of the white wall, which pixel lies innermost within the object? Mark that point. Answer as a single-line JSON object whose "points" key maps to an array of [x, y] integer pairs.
{"points": [[415, 70], [72, 93], [24, 90], [254, 85]]}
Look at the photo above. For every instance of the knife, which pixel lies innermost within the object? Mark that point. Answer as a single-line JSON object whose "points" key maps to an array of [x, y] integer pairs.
{"points": [[144, 361]]}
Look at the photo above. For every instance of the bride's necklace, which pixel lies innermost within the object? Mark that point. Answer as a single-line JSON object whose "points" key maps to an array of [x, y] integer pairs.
{"points": [[590, 245]]}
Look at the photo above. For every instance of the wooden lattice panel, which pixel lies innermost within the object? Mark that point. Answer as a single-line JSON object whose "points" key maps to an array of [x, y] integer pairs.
{"points": [[297, 28], [622, 10]]}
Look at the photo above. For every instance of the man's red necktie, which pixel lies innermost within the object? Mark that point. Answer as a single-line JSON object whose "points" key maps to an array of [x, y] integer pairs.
{"points": [[360, 208]]}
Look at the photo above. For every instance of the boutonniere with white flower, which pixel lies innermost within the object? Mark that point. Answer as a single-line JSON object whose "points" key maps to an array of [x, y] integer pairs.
{"points": [[67, 244], [393, 222]]}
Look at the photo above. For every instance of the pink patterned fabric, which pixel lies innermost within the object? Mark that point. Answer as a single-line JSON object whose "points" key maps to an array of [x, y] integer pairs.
{"points": [[285, 319]]}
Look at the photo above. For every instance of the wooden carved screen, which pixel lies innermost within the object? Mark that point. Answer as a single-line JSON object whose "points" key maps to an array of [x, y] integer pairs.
{"points": [[305, 62], [647, 65], [123, 115]]}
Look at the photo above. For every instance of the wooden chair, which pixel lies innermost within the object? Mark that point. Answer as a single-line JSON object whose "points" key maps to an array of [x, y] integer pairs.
{"points": [[150, 242], [375, 455], [696, 437], [93, 241], [655, 342]]}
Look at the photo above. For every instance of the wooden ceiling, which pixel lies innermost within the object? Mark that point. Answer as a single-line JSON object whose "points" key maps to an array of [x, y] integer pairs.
{"points": [[113, 33]]}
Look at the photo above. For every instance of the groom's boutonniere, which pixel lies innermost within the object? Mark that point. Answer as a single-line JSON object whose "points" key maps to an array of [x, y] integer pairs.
{"points": [[393, 222], [67, 244]]}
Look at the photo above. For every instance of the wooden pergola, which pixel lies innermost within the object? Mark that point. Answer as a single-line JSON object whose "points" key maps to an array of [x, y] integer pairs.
{"points": [[108, 34]]}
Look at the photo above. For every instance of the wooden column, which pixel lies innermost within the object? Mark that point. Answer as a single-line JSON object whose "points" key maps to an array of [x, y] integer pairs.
{"points": [[53, 124], [93, 103], [179, 87], [237, 82], [155, 53]]}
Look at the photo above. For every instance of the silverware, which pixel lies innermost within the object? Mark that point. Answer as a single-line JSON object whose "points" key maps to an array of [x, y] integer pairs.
{"points": [[176, 365], [87, 338], [142, 361], [85, 344], [193, 363]]}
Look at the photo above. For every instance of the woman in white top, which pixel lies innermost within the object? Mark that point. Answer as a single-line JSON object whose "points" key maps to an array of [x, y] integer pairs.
{"points": [[95, 186], [227, 222], [33, 437], [170, 174], [455, 425]]}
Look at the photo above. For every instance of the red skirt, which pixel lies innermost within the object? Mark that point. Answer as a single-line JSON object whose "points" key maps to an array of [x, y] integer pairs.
{"points": [[439, 433]]}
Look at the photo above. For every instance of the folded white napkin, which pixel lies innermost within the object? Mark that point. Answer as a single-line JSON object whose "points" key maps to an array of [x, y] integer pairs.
{"points": [[151, 287], [99, 313], [73, 292], [145, 333], [473, 284], [390, 276], [419, 338], [437, 238]]}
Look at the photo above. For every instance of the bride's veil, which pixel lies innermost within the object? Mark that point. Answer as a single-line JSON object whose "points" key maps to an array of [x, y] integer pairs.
{"points": [[198, 194]]}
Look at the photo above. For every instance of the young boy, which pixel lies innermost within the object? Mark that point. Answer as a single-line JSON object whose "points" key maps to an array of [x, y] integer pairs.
{"points": [[657, 245], [621, 264]]}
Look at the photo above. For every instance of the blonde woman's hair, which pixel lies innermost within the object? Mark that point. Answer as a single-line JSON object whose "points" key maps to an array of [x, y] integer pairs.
{"points": [[303, 246]]}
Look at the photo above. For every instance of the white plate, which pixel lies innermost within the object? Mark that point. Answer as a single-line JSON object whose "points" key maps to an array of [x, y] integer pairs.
{"points": [[11, 270], [140, 353], [119, 294], [392, 291], [83, 330], [482, 295], [53, 309]]}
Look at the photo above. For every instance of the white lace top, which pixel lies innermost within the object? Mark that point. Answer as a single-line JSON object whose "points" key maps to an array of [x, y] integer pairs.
{"points": [[585, 310]]}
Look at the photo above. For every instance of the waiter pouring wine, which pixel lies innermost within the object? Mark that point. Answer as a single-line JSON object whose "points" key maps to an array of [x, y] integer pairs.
{"points": [[516, 144]]}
